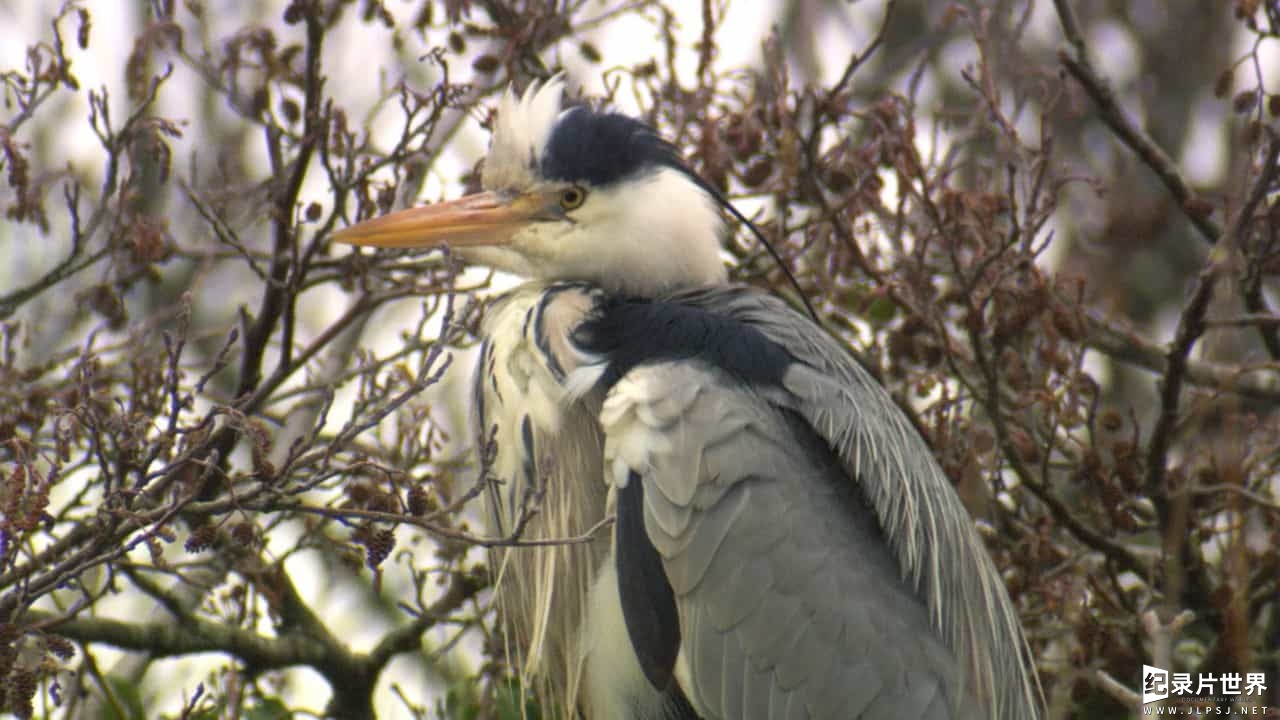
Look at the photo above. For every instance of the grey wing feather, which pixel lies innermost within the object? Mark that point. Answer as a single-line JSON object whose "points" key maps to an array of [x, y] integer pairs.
{"points": [[759, 505], [769, 506], [932, 536]]}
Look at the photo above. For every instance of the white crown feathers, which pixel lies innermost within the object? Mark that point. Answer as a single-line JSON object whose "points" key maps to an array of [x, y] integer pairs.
{"points": [[520, 132]]}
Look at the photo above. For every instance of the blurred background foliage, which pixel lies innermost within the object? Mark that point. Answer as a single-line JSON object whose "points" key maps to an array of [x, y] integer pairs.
{"points": [[235, 476]]}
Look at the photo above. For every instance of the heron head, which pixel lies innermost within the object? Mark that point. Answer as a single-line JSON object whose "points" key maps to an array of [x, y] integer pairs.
{"points": [[576, 194]]}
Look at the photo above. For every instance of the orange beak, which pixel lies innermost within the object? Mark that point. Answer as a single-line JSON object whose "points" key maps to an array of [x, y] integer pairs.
{"points": [[481, 219]]}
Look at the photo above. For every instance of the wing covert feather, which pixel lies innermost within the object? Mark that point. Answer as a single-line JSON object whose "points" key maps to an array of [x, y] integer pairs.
{"points": [[799, 517], [931, 533], [764, 503]]}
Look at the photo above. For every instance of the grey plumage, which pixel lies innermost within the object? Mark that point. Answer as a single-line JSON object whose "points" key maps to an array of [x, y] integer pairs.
{"points": [[770, 506]]}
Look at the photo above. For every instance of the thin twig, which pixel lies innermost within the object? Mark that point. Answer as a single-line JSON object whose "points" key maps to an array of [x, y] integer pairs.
{"points": [[1260, 383], [1191, 325], [1117, 690], [1152, 155]]}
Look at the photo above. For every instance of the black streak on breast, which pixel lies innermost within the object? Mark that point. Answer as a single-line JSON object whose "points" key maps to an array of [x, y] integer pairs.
{"points": [[648, 603]]}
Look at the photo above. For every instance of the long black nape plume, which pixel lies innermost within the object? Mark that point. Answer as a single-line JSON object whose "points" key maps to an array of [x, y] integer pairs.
{"points": [[673, 160], [773, 253]]}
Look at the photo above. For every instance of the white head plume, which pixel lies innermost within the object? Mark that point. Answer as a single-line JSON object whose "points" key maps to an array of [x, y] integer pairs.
{"points": [[520, 132]]}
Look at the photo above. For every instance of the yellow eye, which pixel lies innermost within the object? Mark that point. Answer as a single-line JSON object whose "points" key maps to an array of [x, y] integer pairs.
{"points": [[572, 198]]}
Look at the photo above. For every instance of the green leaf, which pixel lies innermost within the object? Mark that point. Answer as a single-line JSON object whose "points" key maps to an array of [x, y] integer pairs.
{"points": [[881, 310]]}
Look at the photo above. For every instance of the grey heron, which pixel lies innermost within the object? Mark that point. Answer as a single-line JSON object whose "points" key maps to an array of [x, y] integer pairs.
{"points": [[784, 543]]}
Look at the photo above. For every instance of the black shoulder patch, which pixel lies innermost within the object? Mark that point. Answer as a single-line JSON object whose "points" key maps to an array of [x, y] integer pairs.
{"points": [[602, 148], [648, 603], [635, 331]]}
